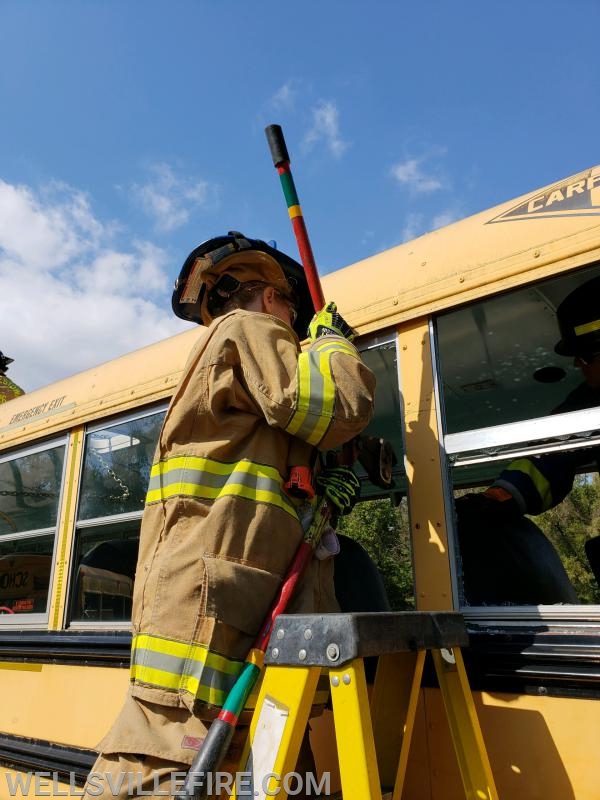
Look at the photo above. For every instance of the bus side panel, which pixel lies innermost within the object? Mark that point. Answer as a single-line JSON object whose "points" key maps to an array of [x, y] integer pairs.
{"points": [[68, 705], [539, 747]]}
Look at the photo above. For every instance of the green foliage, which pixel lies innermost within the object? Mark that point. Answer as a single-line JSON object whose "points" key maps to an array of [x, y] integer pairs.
{"points": [[569, 525], [383, 531]]}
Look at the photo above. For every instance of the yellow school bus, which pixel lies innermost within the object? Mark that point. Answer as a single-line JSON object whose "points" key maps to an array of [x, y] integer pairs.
{"points": [[459, 327]]}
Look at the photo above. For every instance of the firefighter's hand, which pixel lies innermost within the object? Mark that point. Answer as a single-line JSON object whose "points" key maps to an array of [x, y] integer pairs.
{"points": [[328, 322], [340, 486]]}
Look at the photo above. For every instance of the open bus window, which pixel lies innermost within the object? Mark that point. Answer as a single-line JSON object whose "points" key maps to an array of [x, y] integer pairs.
{"points": [[380, 355], [375, 536], [526, 421], [379, 551], [116, 471], [30, 485]]}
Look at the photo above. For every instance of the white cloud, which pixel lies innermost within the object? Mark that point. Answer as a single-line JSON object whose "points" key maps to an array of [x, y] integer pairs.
{"points": [[417, 224], [69, 297], [326, 127], [410, 173], [445, 218], [44, 235], [284, 99], [413, 227], [169, 199]]}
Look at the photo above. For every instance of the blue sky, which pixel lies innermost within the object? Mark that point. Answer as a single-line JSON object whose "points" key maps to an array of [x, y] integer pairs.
{"points": [[132, 131]]}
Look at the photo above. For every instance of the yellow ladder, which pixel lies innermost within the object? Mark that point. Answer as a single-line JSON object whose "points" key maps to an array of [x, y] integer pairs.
{"points": [[373, 734]]}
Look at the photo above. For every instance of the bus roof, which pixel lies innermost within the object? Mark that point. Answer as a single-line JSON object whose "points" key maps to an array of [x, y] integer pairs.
{"points": [[141, 377], [545, 232], [554, 229]]}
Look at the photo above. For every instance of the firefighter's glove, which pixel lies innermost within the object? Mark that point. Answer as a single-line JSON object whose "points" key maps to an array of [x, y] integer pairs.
{"points": [[340, 486], [328, 322]]}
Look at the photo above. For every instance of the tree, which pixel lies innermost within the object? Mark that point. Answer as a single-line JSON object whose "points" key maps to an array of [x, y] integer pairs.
{"points": [[569, 525], [383, 531]]}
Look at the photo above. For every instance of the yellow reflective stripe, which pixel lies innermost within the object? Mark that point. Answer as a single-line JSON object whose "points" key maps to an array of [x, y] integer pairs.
{"points": [[197, 652], [304, 393], [316, 398], [325, 344], [195, 476], [294, 211], [186, 683], [542, 485], [316, 390], [177, 666], [588, 327]]}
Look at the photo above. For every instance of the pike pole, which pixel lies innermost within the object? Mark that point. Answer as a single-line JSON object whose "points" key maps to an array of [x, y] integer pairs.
{"points": [[281, 161]]}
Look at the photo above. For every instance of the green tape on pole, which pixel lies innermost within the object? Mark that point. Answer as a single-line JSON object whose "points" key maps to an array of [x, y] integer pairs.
{"points": [[289, 190], [236, 699]]}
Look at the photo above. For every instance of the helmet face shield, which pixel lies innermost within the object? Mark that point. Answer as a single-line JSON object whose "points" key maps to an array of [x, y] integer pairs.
{"points": [[240, 260]]}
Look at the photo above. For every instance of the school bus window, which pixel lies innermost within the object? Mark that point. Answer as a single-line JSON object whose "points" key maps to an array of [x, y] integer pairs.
{"points": [[116, 467], [30, 490], [522, 437], [380, 355], [379, 524], [103, 580], [115, 474], [30, 484]]}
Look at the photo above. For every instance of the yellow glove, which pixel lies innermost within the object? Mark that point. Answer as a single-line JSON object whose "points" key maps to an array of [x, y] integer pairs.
{"points": [[328, 322]]}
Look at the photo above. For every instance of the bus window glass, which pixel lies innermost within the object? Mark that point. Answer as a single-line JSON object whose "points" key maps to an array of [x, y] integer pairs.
{"points": [[30, 491], [30, 486], [25, 567], [103, 581], [380, 355], [116, 470], [523, 443], [116, 467]]}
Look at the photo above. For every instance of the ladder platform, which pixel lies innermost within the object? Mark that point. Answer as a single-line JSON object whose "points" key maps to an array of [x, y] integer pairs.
{"points": [[329, 640]]}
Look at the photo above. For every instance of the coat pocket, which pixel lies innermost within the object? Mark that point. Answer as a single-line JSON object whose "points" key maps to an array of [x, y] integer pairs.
{"points": [[238, 595]]}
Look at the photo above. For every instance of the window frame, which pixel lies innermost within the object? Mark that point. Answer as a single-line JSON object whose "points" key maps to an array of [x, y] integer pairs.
{"points": [[101, 521], [548, 433], [38, 620]]}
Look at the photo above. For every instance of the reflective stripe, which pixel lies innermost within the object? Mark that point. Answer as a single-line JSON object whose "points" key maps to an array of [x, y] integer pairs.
{"points": [[208, 479], [316, 390], [588, 327], [178, 666], [541, 484], [328, 345]]}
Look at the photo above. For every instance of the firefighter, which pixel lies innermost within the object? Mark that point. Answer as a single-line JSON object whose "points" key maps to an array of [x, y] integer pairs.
{"points": [[8, 389], [219, 529], [535, 484]]}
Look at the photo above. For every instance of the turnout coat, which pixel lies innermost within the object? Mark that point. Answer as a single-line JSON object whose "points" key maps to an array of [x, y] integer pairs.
{"points": [[218, 530]]}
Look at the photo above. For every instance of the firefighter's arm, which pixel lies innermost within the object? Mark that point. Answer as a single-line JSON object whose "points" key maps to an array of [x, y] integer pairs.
{"points": [[538, 483], [323, 395]]}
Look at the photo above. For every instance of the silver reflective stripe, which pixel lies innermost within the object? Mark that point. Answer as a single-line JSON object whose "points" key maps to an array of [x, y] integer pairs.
{"points": [[193, 476]]}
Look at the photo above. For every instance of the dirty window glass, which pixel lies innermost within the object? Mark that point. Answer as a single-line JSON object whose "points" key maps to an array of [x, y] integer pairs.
{"points": [[116, 467], [116, 471], [30, 490]]}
